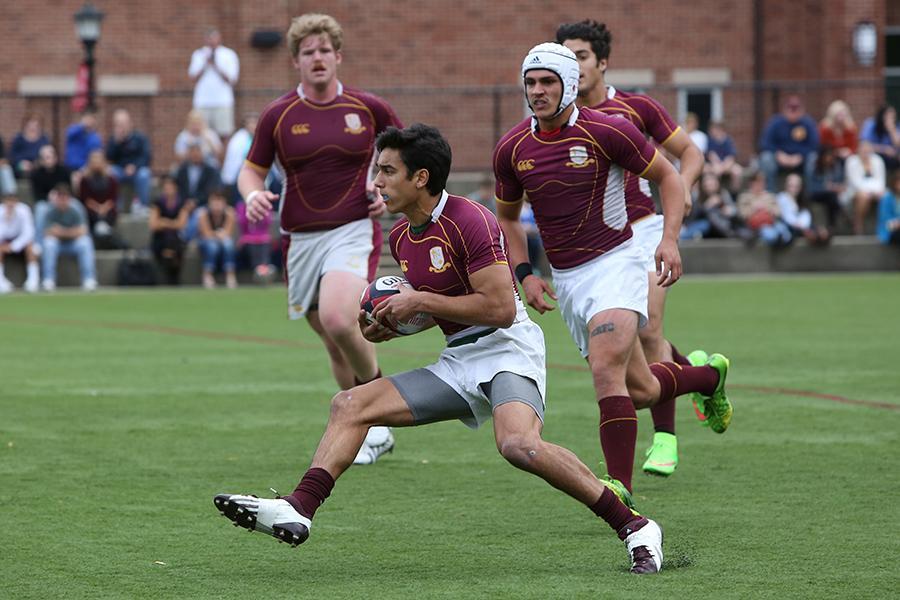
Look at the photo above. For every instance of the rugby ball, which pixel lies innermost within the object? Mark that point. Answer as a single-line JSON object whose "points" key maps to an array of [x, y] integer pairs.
{"points": [[383, 288]]}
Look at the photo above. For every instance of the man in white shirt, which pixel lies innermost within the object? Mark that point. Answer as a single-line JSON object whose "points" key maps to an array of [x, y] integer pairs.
{"points": [[214, 69], [17, 237]]}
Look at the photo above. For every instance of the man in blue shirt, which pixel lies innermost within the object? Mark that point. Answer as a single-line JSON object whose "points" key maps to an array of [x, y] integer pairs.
{"points": [[128, 152], [82, 139], [789, 143]]}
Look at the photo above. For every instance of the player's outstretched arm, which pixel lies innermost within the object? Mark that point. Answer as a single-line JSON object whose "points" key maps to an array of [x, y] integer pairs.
{"points": [[691, 159], [536, 289], [491, 302], [257, 199], [671, 191]]}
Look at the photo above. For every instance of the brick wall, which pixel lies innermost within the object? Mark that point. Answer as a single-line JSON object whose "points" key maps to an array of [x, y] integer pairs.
{"points": [[464, 46]]}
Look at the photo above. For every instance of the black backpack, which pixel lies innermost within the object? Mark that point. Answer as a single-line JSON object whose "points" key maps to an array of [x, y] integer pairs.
{"points": [[136, 270]]}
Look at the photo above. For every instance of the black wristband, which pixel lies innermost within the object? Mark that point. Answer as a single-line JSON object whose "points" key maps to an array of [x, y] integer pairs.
{"points": [[523, 270]]}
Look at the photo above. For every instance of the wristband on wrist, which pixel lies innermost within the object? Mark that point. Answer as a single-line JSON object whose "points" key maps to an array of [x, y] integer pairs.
{"points": [[523, 270], [250, 196]]}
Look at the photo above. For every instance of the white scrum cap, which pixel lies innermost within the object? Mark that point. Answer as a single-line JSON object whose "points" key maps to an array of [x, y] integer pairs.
{"points": [[559, 59]]}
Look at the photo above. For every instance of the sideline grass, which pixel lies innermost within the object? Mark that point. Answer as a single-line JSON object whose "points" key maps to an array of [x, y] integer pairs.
{"points": [[122, 413]]}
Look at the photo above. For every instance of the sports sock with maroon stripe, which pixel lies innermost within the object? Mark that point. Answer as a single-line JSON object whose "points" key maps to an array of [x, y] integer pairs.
{"points": [[678, 357], [675, 380], [618, 434], [617, 515], [311, 492]]}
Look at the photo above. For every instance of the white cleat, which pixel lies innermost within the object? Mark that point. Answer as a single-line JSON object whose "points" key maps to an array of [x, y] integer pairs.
{"points": [[645, 548], [379, 440], [275, 517]]}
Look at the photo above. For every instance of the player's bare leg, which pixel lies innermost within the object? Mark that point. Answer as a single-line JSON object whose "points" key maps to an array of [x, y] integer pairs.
{"points": [[339, 294], [289, 519], [656, 348], [340, 368], [612, 339]]}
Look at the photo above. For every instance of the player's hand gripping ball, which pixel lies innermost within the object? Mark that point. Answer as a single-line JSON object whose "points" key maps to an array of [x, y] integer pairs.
{"points": [[380, 290]]}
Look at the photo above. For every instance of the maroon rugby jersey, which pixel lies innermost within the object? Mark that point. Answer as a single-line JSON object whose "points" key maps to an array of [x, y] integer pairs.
{"points": [[461, 238], [574, 179], [650, 117], [325, 151]]}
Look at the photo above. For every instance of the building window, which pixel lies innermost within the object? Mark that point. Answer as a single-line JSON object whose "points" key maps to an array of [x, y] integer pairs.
{"points": [[706, 103], [892, 65]]}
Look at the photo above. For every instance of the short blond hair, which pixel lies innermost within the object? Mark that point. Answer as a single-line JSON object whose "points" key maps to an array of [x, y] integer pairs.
{"points": [[314, 24]]}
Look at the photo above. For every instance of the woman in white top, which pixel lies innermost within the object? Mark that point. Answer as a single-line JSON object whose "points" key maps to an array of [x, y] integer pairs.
{"points": [[865, 182], [196, 131]]}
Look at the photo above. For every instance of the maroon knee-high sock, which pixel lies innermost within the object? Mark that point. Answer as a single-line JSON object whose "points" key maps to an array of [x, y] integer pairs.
{"points": [[618, 434], [311, 492], [675, 380], [679, 358], [357, 381], [617, 515], [663, 414]]}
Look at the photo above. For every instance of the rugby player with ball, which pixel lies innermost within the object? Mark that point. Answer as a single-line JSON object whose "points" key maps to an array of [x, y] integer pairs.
{"points": [[452, 252]]}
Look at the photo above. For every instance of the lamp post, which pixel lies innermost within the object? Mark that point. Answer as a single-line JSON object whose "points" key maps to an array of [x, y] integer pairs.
{"points": [[87, 24]]}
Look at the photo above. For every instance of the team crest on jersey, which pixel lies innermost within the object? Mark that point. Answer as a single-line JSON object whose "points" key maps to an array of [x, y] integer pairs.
{"points": [[438, 264], [354, 124], [525, 165], [578, 157], [300, 128], [404, 265]]}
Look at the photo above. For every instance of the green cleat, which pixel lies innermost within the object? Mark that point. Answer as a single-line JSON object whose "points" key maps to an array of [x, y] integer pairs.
{"points": [[698, 358], [621, 491], [718, 409], [662, 456]]}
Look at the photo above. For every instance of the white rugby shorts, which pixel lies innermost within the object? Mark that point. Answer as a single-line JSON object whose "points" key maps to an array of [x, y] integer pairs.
{"points": [[617, 279], [648, 234], [517, 349], [311, 254]]}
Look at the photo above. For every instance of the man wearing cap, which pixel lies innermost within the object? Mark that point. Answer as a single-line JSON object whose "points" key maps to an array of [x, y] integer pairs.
{"points": [[572, 163]]}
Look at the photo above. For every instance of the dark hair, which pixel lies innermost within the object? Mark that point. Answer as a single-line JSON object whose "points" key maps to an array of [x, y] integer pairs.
{"points": [[62, 188], [880, 129], [219, 192], [421, 147], [588, 30]]}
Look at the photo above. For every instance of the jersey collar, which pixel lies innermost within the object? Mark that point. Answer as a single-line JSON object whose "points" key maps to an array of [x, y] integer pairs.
{"points": [[535, 127], [435, 214], [302, 95]]}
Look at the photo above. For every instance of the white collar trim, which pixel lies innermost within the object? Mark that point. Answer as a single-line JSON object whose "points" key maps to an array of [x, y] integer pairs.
{"points": [[302, 94], [436, 213], [572, 118], [610, 92]]}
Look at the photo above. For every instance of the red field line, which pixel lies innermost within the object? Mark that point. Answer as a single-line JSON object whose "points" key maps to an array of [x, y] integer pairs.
{"points": [[253, 339]]}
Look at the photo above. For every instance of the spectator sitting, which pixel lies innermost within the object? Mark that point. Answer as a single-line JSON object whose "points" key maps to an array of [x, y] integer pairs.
{"points": [[7, 176], [796, 215], [23, 152], [866, 183], [838, 130], [98, 192], [720, 210], [889, 213], [692, 127], [215, 69], [168, 217], [82, 139], [789, 143], [238, 148], [255, 243], [196, 131], [196, 179], [827, 184], [66, 233], [216, 224], [759, 210], [17, 238], [128, 151], [881, 131], [721, 156], [47, 172], [484, 195]]}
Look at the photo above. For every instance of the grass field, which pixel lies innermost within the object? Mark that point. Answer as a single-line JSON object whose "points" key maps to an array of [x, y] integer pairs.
{"points": [[123, 413]]}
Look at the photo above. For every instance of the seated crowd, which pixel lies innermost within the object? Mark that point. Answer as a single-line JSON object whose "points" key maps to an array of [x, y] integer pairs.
{"points": [[805, 172], [78, 200]]}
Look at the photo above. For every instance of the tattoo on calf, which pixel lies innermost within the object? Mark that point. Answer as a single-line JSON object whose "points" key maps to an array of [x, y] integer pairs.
{"points": [[603, 328]]}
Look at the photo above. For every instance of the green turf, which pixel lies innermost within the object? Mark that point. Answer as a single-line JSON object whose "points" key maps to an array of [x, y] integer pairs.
{"points": [[123, 413]]}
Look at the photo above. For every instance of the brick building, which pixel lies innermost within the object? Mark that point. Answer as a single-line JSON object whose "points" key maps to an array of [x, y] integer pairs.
{"points": [[455, 63]]}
